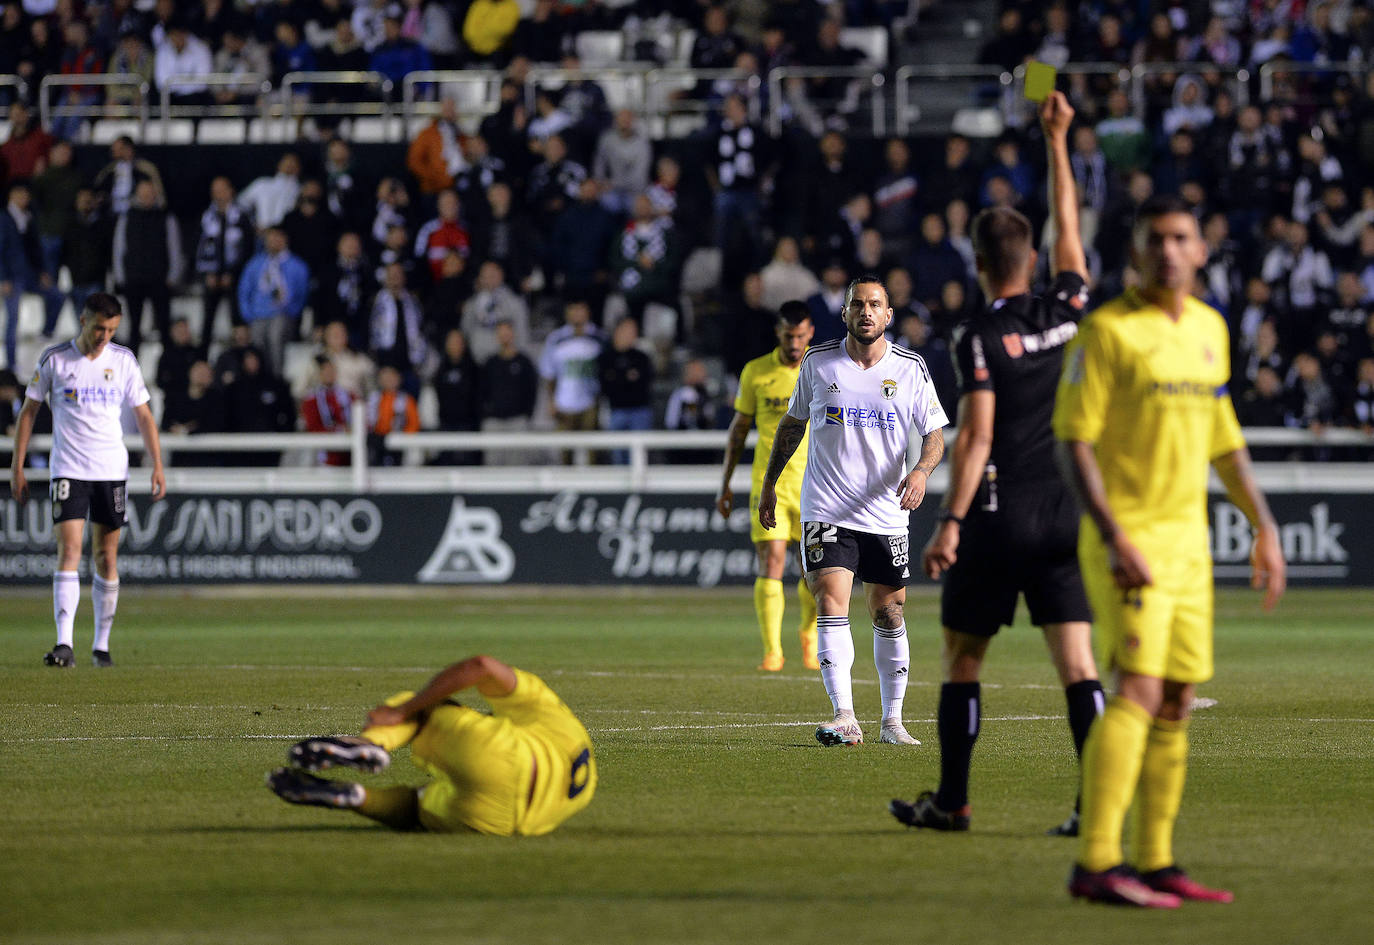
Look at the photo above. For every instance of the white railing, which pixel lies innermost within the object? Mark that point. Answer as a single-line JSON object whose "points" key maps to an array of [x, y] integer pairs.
{"points": [[864, 75], [641, 472], [240, 83], [1270, 70], [47, 110]]}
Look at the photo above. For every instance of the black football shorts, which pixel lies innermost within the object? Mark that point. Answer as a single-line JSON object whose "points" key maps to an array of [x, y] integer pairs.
{"points": [[1027, 547], [875, 559], [103, 501]]}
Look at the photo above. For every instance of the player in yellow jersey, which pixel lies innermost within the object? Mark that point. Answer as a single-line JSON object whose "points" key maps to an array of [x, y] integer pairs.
{"points": [[1142, 410], [523, 769], [765, 387]]}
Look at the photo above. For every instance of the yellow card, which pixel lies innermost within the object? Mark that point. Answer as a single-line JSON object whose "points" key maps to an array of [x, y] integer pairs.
{"points": [[1039, 80]]}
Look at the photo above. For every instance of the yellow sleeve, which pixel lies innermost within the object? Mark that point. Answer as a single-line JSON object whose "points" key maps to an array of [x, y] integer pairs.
{"points": [[530, 700], [746, 401], [1226, 435], [1085, 387]]}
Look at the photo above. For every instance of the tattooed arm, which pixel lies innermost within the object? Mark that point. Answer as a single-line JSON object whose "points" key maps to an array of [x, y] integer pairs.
{"points": [[734, 446], [912, 488], [785, 443]]}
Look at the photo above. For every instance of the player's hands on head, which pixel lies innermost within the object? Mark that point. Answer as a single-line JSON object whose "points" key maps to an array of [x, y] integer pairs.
{"points": [[941, 551], [1269, 570], [912, 489], [768, 506], [1056, 114], [1130, 570], [725, 502], [386, 715]]}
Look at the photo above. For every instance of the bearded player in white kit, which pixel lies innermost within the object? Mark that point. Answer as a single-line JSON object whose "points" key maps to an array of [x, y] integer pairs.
{"points": [[87, 382], [863, 397]]}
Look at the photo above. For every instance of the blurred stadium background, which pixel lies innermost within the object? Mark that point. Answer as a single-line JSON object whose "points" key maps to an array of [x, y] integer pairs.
{"points": [[876, 129]]}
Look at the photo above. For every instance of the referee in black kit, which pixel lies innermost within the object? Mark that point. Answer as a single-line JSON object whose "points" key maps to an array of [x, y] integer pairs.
{"points": [[1009, 524]]}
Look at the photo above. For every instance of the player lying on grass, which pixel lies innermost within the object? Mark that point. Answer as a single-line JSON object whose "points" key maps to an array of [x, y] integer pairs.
{"points": [[523, 769]]}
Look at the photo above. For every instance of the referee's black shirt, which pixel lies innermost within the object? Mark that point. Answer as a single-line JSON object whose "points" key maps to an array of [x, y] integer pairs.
{"points": [[1015, 348]]}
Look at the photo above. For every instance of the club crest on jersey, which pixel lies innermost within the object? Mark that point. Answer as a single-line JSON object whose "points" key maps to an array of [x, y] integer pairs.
{"points": [[1013, 345], [889, 388], [109, 374]]}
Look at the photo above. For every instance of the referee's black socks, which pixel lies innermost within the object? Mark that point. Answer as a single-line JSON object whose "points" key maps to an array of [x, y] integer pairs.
{"points": [[1086, 703], [958, 721]]}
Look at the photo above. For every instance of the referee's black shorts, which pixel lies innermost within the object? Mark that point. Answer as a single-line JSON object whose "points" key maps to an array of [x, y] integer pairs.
{"points": [[1028, 546]]}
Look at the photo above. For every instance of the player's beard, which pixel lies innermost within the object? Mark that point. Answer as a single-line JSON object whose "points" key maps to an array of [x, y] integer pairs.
{"points": [[871, 337]]}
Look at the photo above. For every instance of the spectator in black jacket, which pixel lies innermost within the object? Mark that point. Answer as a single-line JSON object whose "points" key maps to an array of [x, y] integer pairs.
{"points": [[196, 407], [627, 380], [347, 284], [457, 386], [510, 386], [178, 354], [226, 241], [310, 231], [148, 261], [86, 249], [259, 402]]}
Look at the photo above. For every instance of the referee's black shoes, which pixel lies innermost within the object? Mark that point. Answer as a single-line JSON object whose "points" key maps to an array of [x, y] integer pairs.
{"points": [[922, 812]]}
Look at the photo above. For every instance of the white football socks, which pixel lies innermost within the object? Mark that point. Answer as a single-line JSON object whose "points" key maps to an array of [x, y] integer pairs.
{"points": [[105, 597], [835, 650], [66, 595], [892, 657]]}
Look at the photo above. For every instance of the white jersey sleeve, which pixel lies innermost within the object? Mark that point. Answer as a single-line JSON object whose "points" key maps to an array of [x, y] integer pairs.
{"points": [[799, 407]]}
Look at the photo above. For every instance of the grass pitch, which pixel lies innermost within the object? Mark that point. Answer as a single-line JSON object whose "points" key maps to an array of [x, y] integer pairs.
{"points": [[134, 809]]}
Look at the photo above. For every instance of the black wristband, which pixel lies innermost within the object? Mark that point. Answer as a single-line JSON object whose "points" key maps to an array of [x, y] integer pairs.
{"points": [[947, 516]]}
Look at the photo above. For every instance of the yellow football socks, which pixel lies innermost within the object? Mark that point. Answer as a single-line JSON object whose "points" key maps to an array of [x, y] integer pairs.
{"points": [[392, 737], [398, 807], [769, 602], [1160, 792], [807, 630], [1111, 767]]}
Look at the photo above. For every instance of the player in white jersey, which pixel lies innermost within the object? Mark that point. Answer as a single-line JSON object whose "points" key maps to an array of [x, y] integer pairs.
{"points": [[863, 397], [87, 382]]}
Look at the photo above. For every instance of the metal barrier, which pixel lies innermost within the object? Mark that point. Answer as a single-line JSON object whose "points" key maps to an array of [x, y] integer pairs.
{"points": [[21, 88], [627, 90], [47, 111], [1240, 79], [660, 84], [291, 107], [1269, 70], [485, 82], [641, 472], [241, 83], [876, 81], [908, 112]]}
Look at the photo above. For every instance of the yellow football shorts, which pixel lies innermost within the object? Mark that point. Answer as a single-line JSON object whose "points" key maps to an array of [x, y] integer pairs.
{"points": [[524, 769], [789, 527], [1164, 630]]}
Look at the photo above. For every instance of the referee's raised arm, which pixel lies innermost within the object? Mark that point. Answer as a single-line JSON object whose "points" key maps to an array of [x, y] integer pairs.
{"points": [[1056, 115]]}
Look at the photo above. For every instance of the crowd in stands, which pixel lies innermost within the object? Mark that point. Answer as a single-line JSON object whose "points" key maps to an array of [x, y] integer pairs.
{"points": [[527, 272]]}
